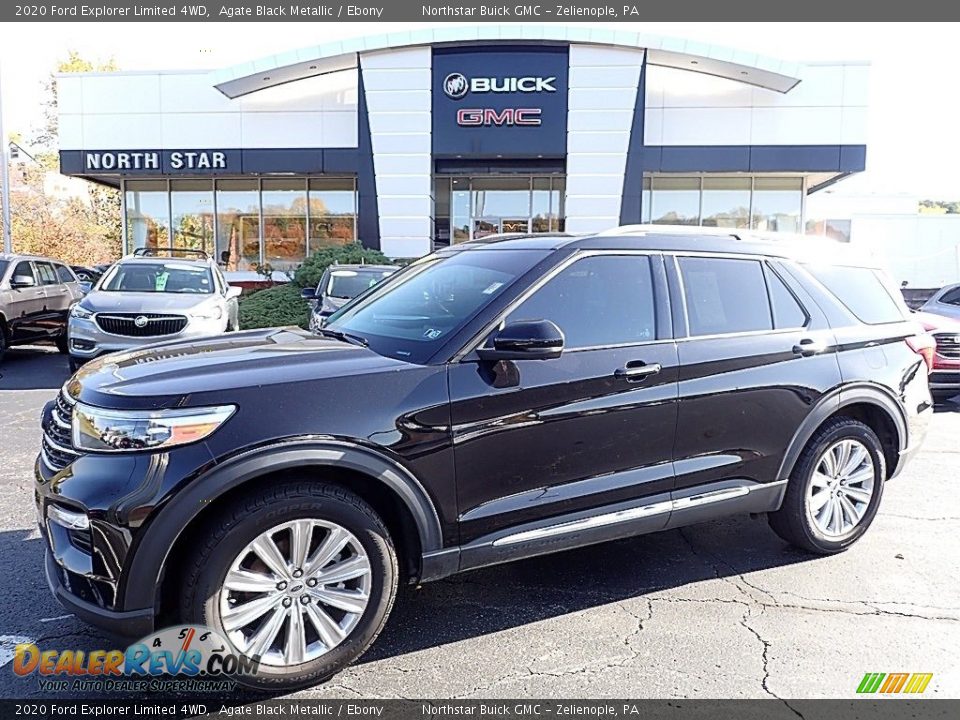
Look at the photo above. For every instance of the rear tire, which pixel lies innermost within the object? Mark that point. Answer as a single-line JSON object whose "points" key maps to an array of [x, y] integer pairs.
{"points": [[835, 489], [3, 341], [305, 648], [74, 364]]}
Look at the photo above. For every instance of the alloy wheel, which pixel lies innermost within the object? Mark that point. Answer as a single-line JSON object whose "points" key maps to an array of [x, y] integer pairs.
{"points": [[841, 488], [295, 592]]}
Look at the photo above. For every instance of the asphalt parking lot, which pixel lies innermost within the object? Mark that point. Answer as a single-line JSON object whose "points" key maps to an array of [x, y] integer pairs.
{"points": [[724, 609]]}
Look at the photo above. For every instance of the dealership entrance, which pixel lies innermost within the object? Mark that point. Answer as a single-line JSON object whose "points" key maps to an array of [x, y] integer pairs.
{"points": [[470, 207]]}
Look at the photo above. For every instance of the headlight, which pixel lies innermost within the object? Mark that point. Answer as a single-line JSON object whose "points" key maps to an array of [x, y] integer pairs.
{"points": [[100, 430], [211, 313], [80, 312]]}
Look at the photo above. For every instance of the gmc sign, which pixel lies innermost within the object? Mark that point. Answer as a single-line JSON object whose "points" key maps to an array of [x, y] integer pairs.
{"points": [[509, 117]]}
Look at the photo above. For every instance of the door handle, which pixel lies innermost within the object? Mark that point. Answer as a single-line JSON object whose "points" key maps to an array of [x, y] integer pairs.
{"points": [[809, 346], [637, 370]]}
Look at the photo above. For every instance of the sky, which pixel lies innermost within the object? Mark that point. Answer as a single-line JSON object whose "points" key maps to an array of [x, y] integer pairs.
{"points": [[914, 106]]}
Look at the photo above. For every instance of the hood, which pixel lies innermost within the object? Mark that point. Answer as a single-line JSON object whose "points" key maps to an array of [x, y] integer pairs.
{"points": [[170, 374], [153, 302]]}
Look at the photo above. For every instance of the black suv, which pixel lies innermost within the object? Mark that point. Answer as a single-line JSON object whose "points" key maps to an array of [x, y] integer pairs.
{"points": [[493, 401]]}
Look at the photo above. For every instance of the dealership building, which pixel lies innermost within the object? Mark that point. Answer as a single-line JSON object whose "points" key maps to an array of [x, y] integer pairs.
{"points": [[415, 140]]}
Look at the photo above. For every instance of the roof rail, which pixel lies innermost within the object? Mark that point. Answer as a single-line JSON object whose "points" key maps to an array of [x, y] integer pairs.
{"points": [[155, 252], [735, 233]]}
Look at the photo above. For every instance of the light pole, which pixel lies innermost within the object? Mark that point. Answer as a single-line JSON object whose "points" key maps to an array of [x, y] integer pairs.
{"points": [[5, 177]]}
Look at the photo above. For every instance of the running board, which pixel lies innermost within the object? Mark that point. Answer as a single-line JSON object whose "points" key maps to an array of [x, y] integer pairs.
{"points": [[613, 522]]}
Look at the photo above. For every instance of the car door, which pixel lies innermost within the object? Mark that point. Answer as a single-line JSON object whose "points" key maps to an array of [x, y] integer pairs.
{"points": [[56, 302], [25, 308], [756, 354], [576, 435]]}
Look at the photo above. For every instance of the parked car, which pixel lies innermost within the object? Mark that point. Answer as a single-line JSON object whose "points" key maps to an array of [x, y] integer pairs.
{"points": [[946, 302], [945, 373], [338, 285], [36, 294], [87, 274], [490, 402], [149, 298]]}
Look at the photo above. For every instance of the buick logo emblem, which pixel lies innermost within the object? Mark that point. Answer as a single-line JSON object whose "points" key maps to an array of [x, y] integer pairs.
{"points": [[456, 86], [140, 321]]}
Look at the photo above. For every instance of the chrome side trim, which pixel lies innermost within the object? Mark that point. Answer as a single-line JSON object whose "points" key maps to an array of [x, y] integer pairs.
{"points": [[620, 516], [585, 524], [710, 497]]}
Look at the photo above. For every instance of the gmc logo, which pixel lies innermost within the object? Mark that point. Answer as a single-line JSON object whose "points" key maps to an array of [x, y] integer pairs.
{"points": [[508, 117]]}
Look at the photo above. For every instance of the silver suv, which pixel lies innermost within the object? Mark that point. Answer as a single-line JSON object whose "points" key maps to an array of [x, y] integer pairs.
{"points": [[148, 298], [35, 297]]}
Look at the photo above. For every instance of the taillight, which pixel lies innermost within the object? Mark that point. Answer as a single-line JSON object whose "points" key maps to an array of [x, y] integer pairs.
{"points": [[924, 346]]}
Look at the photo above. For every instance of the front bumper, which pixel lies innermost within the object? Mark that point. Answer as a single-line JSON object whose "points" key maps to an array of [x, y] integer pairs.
{"points": [[127, 623], [88, 340]]}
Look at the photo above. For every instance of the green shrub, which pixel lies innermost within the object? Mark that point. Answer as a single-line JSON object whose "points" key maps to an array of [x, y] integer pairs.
{"points": [[309, 274], [273, 307]]}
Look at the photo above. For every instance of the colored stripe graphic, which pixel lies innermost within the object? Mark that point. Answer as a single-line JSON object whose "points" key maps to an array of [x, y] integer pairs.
{"points": [[894, 682], [913, 683], [918, 682], [870, 682]]}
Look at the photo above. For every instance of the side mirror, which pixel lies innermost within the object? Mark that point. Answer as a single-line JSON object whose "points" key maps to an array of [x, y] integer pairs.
{"points": [[525, 340], [233, 292], [23, 281], [309, 293]]}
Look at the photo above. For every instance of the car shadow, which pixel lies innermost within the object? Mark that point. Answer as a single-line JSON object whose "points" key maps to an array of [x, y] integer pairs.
{"points": [[465, 606], [33, 367]]}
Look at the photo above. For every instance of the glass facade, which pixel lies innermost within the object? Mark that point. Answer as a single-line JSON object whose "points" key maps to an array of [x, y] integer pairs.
{"points": [[473, 207], [245, 222], [737, 201]]}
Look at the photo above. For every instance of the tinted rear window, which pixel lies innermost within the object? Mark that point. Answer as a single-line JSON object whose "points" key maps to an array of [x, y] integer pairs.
{"points": [[65, 274], [3, 268], [725, 296], [862, 290]]}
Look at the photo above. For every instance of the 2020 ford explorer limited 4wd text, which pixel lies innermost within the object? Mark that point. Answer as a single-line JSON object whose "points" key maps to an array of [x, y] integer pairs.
{"points": [[493, 401]]}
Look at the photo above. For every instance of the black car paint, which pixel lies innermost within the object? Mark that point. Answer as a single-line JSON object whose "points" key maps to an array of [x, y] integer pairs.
{"points": [[477, 451]]}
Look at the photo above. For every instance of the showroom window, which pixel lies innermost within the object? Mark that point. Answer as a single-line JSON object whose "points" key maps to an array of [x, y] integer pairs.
{"points": [[238, 224], [147, 208], [735, 201], [227, 218], [284, 223], [191, 204]]}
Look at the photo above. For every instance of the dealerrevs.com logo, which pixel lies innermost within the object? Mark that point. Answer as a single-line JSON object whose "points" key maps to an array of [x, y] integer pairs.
{"points": [[457, 85], [185, 657]]}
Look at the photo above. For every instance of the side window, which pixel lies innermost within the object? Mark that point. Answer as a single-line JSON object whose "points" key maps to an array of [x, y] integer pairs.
{"points": [[787, 311], [861, 290], [47, 275], [725, 295], [952, 297], [598, 301], [24, 268], [65, 274]]}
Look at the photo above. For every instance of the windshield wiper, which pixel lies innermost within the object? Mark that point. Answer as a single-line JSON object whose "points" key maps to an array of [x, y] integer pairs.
{"points": [[344, 337]]}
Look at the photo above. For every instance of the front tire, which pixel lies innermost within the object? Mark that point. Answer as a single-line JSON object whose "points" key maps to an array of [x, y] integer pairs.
{"points": [[63, 343], [302, 574], [835, 489]]}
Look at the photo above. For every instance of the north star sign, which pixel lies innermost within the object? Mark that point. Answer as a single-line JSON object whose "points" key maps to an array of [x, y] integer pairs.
{"points": [[176, 160]]}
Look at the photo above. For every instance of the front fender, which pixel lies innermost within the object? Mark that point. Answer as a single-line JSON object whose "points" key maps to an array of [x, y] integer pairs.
{"points": [[172, 519]]}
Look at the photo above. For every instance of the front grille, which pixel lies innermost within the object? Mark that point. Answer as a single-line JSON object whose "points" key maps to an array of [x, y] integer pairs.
{"points": [[56, 447], [948, 345], [141, 324]]}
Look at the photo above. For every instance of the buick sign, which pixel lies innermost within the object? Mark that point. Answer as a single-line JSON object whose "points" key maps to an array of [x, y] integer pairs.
{"points": [[456, 85]]}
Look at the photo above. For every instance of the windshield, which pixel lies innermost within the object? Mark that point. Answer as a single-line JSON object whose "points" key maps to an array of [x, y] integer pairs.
{"points": [[168, 277], [420, 307], [347, 284]]}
